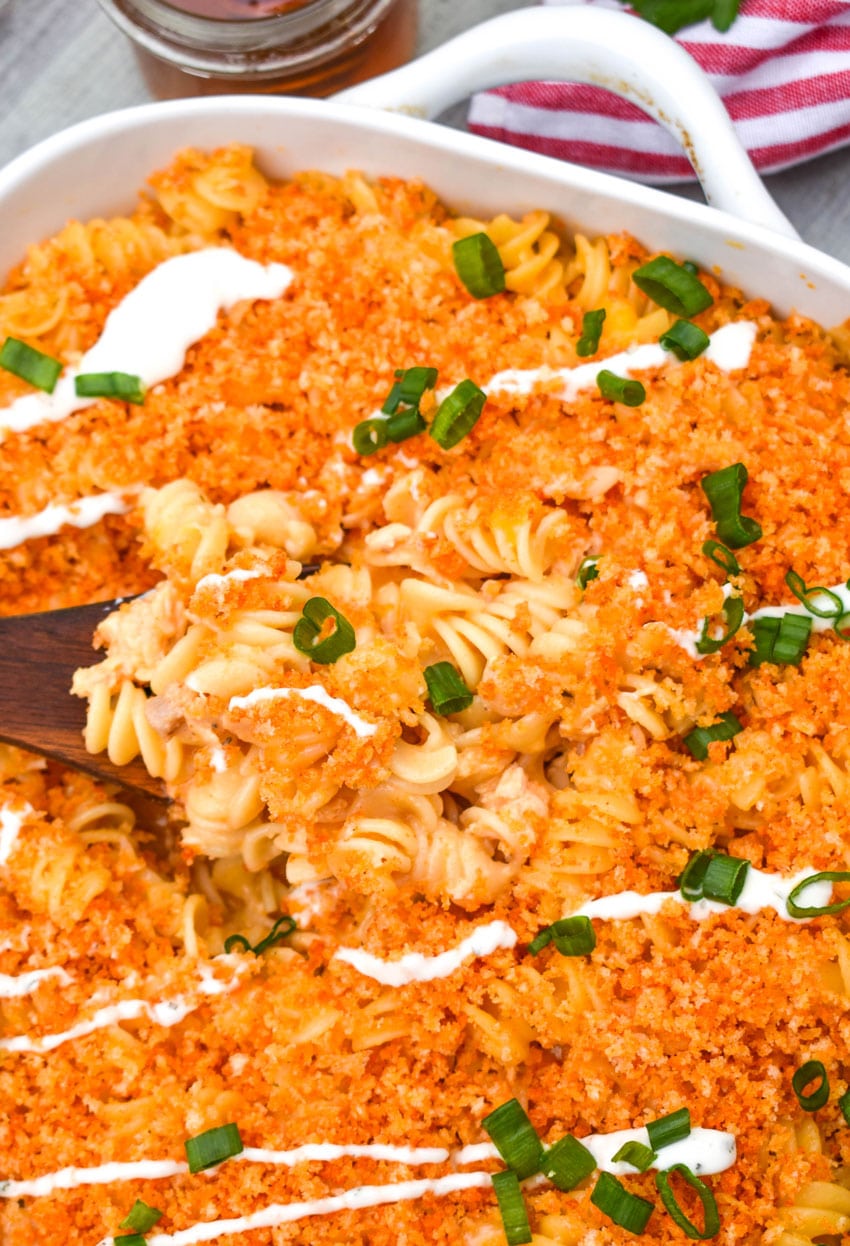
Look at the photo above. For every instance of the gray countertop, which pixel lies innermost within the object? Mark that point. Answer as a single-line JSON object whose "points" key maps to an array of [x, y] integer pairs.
{"points": [[62, 61]]}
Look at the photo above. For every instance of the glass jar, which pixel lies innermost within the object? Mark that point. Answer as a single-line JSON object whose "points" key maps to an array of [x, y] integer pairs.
{"points": [[304, 47]]}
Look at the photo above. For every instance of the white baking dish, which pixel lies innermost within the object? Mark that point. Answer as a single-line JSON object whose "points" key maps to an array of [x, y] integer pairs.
{"points": [[95, 168]]}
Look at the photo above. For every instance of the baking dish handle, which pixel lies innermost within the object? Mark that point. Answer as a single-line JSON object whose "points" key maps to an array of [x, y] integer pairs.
{"points": [[609, 49]]}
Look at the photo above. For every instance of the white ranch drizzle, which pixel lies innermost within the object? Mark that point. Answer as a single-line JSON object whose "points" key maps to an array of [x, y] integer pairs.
{"points": [[416, 967], [82, 513], [729, 348], [164, 1012], [761, 891], [687, 639], [11, 821], [15, 986], [151, 329], [315, 693]]}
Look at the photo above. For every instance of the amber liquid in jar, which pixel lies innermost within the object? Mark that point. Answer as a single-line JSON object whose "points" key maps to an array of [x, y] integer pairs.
{"points": [[303, 47]]}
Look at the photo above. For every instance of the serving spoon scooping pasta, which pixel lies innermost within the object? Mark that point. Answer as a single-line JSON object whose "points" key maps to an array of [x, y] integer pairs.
{"points": [[38, 656]]}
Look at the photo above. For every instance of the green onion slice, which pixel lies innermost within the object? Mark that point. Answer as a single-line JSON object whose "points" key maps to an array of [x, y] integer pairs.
{"points": [[591, 331], [841, 626], [627, 1210], [310, 635], [457, 414], [714, 876], [723, 557], [141, 1217], [478, 264], [780, 638], [110, 385], [448, 693], [512, 1208], [567, 1162], [635, 1153], [213, 1147], [724, 490], [409, 388], [620, 388], [30, 364], [131, 1239], [282, 929], [685, 339], [822, 910], [572, 936], [672, 287], [697, 741], [669, 1129], [844, 1105], [369, 436], [515, 1138], [405, 424], [588, 570], [711, 1216], [733, 613], [834, 606], [693, 875], [812, 1070], [725, 878]]}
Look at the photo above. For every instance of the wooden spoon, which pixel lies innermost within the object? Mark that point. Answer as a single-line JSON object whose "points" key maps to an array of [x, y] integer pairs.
{"points": [[38, 656]]}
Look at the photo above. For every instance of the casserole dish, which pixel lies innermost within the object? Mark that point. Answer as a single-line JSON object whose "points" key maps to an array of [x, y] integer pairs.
{"points": [[375, 939]]}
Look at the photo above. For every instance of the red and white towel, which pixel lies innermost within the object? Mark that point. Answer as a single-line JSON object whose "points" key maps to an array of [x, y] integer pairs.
{"points": [[782, 70]]}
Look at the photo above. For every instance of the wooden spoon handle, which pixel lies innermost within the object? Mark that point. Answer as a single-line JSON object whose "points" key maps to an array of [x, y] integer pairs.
{"points": [[38, 656]]}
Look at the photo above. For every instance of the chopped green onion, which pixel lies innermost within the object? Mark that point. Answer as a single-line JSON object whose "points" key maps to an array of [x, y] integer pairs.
{"points": [[627, 1210], [515, 1138], [478, 264], [797, 585], [140, 1217], [672, 287], [409, 388], [807, 1073], [131, 1239], [511, 1208], [369, 436], [780, 638], [457, 414], [29, 364], [668, 1129], [724, 490], [635, 1153], [591, 331], [841, 626], [275, 935], [620, 388], [572, 936], [588, 570], [710, 1214], [823, 910], [685, 339], [448, 693], [310, 636], [733, 613], [567, 1162], [723, 557], [698, 740], [844, 1105], [404, 424], [110, 385], [714, 876], [213, 1147], [725, 878], [693, 875]]}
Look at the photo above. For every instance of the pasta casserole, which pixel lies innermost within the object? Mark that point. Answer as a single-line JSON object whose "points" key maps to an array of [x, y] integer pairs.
{"points": [[485, 617]]}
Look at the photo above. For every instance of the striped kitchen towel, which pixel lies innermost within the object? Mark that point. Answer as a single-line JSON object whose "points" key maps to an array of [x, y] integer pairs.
{"points": [[782, 70]]}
